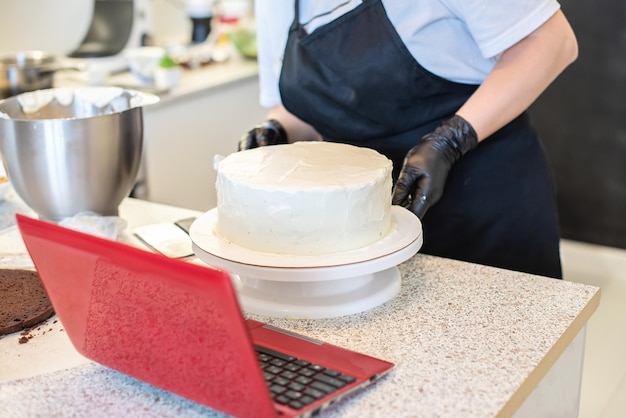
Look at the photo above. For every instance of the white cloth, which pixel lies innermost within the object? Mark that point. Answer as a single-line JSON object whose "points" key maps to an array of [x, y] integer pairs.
{"points": [[459, 40]]}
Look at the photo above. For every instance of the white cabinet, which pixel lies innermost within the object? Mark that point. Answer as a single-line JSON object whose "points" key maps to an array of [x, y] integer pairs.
{"points": [[208, 116]]}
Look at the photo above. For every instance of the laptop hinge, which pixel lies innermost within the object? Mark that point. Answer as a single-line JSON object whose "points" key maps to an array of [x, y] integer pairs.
{"points": [[293, 334]]}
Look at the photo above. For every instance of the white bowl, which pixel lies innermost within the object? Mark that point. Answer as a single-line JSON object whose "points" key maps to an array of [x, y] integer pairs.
{"points": [[143, 61], [167, 78]]}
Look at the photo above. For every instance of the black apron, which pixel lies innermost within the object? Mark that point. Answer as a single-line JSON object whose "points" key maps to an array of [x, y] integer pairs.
{"points": [[355, 81]]}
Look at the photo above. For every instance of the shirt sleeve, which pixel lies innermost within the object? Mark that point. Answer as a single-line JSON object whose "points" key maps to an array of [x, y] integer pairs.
{"points": [[273, 19], [496, 25]]}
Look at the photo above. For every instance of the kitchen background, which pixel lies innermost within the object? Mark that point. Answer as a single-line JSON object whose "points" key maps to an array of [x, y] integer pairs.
{"points": [[59, 25], [580, 118]]}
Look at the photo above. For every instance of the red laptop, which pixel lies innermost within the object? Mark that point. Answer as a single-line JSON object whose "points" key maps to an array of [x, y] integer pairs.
{"points": [[178, 326]]}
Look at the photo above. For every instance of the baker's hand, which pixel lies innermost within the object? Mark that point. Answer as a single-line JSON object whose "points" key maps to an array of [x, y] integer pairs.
{"points": [[270, 132], [426, 166]]}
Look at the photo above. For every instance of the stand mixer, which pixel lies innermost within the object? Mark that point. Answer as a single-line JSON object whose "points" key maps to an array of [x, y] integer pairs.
{"points": [[115, 26]]}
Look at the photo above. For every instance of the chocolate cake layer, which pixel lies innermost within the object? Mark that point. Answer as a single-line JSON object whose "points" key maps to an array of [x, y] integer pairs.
{"points": [[23, 300]]}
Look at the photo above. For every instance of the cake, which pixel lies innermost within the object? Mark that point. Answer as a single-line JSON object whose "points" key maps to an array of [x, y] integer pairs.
{"points": [[24, 300], [305, 198]]}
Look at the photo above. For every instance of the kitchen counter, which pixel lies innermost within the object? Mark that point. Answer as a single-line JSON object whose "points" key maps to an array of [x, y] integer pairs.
{"points": [[193, 82], [467, 341]]}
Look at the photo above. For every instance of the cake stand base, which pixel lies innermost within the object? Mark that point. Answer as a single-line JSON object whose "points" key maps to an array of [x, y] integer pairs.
{"points": [[312, 287], [318, 299]]}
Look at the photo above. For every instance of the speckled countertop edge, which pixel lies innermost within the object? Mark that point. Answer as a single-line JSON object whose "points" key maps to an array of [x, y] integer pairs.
{"points": [[466, 339]]}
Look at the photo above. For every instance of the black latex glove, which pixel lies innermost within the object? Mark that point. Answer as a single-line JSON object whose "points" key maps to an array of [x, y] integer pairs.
{"points": [[426, 165], [270, 132]]}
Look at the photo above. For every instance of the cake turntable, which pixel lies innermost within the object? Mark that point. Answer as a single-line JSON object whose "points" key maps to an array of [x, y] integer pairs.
{"points": [[312, 287]]}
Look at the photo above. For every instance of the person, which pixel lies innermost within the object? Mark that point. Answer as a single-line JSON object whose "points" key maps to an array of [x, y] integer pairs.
{"points": [[442, 88]]}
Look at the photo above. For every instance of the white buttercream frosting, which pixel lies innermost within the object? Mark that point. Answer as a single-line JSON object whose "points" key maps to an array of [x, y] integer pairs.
{"points": [[306, 198]]}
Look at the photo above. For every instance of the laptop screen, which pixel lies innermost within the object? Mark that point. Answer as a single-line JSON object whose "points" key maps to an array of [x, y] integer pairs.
{"points": [[170, 323]]}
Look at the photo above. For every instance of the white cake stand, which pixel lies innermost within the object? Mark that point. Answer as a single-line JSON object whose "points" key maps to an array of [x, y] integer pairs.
{"points": [[296, 286]]}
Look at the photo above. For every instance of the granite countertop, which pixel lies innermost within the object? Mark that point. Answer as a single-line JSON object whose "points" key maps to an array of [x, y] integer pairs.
{"points": [[467, 340]]}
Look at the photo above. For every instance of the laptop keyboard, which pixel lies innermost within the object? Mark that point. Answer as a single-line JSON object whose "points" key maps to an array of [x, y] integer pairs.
{"points": [[295, 382]]}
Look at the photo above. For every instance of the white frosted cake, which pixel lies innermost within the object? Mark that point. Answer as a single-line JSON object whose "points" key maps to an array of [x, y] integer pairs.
{"points": [[305, 198]]}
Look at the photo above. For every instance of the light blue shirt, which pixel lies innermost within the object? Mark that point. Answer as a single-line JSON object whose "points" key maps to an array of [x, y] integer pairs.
{"points": [[459, 40]]}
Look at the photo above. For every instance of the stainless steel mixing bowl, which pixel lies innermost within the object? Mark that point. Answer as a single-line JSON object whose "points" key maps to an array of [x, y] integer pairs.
{"points": [[75, 150]]}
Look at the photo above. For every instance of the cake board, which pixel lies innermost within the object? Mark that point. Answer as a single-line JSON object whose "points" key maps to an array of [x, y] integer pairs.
{"points": [[312, 287]]}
